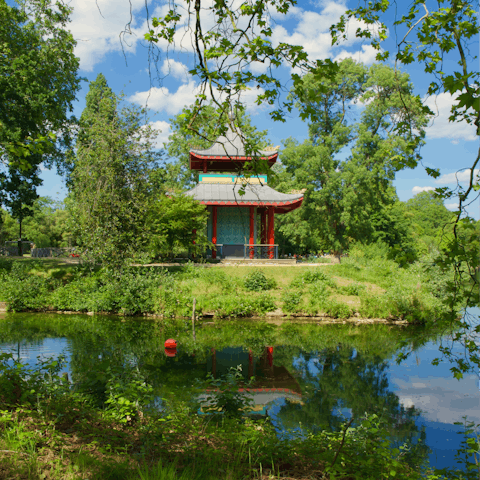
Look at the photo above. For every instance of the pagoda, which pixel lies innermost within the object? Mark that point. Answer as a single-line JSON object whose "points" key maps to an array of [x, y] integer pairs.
{"points": [[239, 225]]}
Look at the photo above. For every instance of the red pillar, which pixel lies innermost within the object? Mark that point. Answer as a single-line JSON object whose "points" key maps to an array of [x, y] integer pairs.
{"points": [[214, 230], [271, 233], [252, 231], [205, 167]]}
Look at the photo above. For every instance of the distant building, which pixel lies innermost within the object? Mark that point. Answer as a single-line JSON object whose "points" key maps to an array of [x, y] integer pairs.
{"points": [[238, 225]]}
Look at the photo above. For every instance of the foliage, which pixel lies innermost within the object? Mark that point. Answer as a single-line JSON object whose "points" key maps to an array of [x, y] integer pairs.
{"points": [[224, 395], [110, 192], [351, 200], [22, 385], [177, 224], [243, 306], [38, 84], [23, 291], [128, 394], [292, 301], [311, 277], [256, 281], [47, 226]]}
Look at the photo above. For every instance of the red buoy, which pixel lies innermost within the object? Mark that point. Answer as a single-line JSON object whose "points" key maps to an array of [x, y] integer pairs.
{"points": [[170, 343]]}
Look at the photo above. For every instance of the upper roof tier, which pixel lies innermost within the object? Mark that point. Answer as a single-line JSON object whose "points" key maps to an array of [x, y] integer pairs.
{"points": [[227, 154]]}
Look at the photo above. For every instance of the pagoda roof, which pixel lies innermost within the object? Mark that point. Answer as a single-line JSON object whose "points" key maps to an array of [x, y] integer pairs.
{"points": [[230, 145], [225, 151], [255, 195]]}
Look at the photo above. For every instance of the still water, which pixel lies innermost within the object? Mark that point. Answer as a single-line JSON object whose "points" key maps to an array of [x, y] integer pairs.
{"points": [[307, 376]]}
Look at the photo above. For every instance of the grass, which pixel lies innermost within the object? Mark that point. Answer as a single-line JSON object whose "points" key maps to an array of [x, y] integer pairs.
{"points": [[374, 289]]}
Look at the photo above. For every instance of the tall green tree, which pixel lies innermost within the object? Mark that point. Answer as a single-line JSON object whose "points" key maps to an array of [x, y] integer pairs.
{"points": [[110, 191], [345, 199], [38, 84]]}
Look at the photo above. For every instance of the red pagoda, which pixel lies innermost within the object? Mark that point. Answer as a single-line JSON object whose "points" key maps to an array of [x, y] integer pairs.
{"points": [[240, 226]]}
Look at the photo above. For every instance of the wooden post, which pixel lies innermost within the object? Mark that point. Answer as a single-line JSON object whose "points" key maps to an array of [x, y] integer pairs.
{"points": [[252, 231], [193, 319], [271, 233], [214, 231]]}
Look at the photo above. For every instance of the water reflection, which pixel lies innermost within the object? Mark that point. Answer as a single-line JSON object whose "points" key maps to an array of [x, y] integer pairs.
{"points": [[306, 377]]}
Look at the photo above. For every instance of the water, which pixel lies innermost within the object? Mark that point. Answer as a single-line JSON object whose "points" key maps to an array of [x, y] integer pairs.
{"points": [[307, 377]]}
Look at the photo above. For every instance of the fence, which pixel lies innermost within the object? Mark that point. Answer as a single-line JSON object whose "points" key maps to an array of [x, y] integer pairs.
{"points": [[260, 251], [52, 252]]}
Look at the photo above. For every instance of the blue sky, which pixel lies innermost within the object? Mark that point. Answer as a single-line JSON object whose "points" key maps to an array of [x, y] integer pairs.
{"points": [[97, 26]]}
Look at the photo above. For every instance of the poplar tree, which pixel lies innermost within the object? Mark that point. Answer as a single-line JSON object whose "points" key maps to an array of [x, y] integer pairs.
{"points": [[110, 186]]}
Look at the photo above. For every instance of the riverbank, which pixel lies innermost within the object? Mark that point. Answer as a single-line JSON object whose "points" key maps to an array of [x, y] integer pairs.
{"points": [[354, 290]]}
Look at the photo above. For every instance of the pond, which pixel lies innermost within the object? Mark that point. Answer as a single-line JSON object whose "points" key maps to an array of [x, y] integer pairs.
{"points": [[306, 376]]}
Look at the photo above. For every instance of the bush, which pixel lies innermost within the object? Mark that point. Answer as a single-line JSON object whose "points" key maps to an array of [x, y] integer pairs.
{"points": [[353, 289], [336, 309], [312, 276], [292, 302], [256, 281], [23, 291], [246, 306]]}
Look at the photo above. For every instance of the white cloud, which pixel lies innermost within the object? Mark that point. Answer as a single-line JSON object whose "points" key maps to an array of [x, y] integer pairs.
{"points": [[366, 55], [440, 127], [176, 69], [442, 400], [462, 176], [97, 24], [416, 190], [162, 100], [452, 206], [164, 131]]}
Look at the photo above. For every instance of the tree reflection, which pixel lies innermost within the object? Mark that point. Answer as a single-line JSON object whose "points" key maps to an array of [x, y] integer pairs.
{"points": [[341, 382]]}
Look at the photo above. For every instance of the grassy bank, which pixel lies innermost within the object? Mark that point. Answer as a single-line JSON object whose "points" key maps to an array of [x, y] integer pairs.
{"points": [[377, 288]]}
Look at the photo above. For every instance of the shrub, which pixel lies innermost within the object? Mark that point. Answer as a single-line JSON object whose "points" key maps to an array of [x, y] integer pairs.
{"points": [[243, 306], [312, 276], [256, 281], [292, 302], [23, 291], [336, 309], [353, 289]]}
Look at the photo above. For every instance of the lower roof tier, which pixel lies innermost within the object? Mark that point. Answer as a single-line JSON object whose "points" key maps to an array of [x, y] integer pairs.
{"points": [[224, 195]]}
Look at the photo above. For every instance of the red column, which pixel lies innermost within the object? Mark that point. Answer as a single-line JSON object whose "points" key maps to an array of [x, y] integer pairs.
{"points": [[205, 168], [271, 233], [252, 231], [214, 230]]}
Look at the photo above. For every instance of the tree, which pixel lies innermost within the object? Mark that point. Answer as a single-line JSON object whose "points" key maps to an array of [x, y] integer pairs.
{"points": [[346, 201], [110, 189], [177, 224], [38, 83], [20, 188]]}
